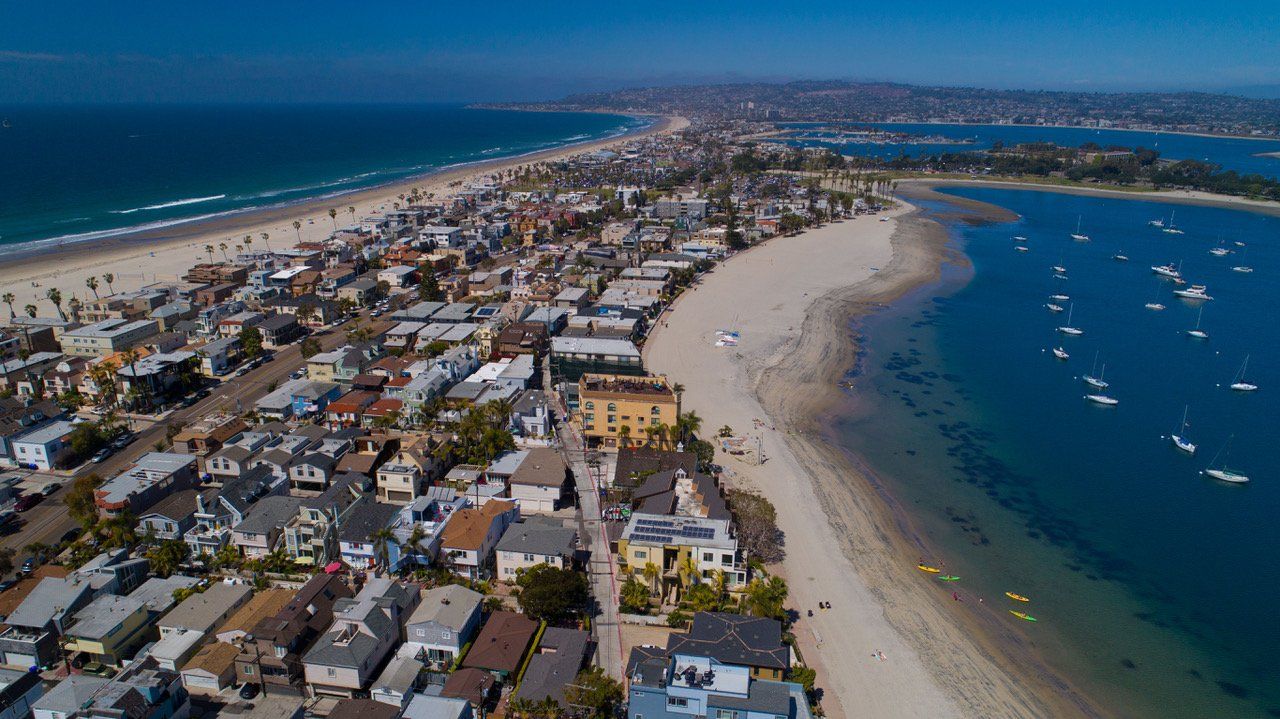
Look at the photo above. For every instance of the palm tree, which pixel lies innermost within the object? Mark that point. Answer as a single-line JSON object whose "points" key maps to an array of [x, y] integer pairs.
{"points": [[382, 540], [266, 236], [413, 542], [248, 242], [222, 247], [109, 278], [8, 299], [333, 217], [31, 310], [297, 229], [55, 296], [687, 568], [92, 283], [678, 390], [651, 574], [624, 436], [687, 425], [209, 249], [351, 210]]}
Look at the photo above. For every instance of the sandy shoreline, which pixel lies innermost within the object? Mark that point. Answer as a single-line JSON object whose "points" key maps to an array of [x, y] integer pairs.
{"points": [[165, 254], [943, 659], [1178, 197]]}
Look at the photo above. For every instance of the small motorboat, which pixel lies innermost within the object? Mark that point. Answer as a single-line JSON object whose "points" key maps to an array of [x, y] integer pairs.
{"points": [[1059, 298], [1021, 248], [1102, 399], [1061, 353], [1166, 271], [927, 568], [1219, 252], [1023, 616], [1016, 597], [1120, 258], [1154, 306], [1019, 238], [1059, 269], [1243, 269], [1055, 308], [1156, 223]]}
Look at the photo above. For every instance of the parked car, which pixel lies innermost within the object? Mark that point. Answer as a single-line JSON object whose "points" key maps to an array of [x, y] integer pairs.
{"points": [[7, 583], [248, 691], [49, 489], [27, 501], [70, 535], [28, 566], [101, 454], [298, 374]]}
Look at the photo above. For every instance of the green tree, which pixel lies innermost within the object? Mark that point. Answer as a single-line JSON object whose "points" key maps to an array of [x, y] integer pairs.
{"points": [[310, 347], [382, 540], [167, 556], [429, 287], [251, 341], [766, 597], [551, 594], [596, 692], [634, 596], [6, 561]]}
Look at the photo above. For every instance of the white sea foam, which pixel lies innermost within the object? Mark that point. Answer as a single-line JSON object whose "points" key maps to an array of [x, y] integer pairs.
{"points": [[166, 205]]}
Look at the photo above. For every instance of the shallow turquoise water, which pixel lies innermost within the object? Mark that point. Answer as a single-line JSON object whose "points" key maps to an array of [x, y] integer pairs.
{"points": [[1153, 585]]}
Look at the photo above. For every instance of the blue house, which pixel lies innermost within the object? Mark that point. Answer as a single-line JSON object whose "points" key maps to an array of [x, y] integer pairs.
{"points": [[726, 667]]}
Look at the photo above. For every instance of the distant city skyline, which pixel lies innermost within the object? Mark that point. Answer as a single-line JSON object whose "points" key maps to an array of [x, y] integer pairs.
{"points": [[414, 52]]}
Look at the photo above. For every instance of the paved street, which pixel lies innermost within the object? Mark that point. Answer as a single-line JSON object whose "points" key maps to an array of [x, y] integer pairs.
{"points": [[601, 571], [48, 521]]}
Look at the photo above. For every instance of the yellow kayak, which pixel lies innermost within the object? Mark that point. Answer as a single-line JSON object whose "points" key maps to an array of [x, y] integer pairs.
{"points": [[1016, 597], [927, 568], [1023, 616]]}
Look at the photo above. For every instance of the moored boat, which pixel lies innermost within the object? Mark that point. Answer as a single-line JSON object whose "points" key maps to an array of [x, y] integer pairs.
{"points": [[1102, 399]]}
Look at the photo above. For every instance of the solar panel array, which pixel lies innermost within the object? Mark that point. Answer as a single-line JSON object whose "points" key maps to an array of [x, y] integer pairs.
{"points": [[661, 531]]}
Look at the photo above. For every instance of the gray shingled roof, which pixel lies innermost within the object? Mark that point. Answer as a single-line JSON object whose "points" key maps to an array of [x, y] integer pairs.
{"points": [[733, 639], [268, 514], [448, 606], [538, 538]]}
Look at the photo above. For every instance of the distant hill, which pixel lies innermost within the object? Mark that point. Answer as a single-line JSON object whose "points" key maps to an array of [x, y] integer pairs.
{"points": [[880, 102]]}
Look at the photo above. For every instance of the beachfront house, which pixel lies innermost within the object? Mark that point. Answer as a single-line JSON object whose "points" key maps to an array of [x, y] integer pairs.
{"points": [[619, 411]]}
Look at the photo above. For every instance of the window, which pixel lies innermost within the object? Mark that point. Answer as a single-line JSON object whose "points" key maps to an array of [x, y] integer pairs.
{"points": [[726, 559], [590, 405], [528, 557], [331, 671], [677, 702], [590, 416], [248, 670], [728, 714], [708, 557], [613, 418], [444, 634], [281, 651], [612, 407], [655, 410], [642, 554], [420, 632]]}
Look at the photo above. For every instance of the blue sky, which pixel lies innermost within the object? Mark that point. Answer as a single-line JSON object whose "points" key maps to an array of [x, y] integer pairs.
{"points": [[450, 51]]}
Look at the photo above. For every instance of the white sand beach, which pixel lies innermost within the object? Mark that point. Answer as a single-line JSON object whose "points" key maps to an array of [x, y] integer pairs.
{"points": [[791, 299], [165, 255]]}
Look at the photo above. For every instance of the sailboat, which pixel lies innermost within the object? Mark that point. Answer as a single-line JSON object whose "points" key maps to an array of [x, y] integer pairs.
{"points": [[1156, 223], [1154, 304], [1059, 297], [1061, 353], [1171, 229], [1197, 332], [1097, 382], [1052, 307], [1221, 472], [1245, 269], [1077, 236], [1120, 257], [1180, 437], [1102, 399], [1067, 329], [1239, 384], [1021, 248]]}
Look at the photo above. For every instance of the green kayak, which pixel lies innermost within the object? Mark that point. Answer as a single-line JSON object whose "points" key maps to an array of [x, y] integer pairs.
{"points": [[949, 578]]}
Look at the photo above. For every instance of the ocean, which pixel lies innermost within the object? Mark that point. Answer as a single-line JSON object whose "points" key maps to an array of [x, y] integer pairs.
{"points": [[1234, 153], [76, 173], [1153, 584]]}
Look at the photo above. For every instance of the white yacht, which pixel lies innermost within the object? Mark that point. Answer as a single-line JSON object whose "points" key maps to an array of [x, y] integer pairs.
{"points": [[1054, 308], [1102, 399], [1194, 292], [1061, 353], [1166, 271], [1221, 472]]}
